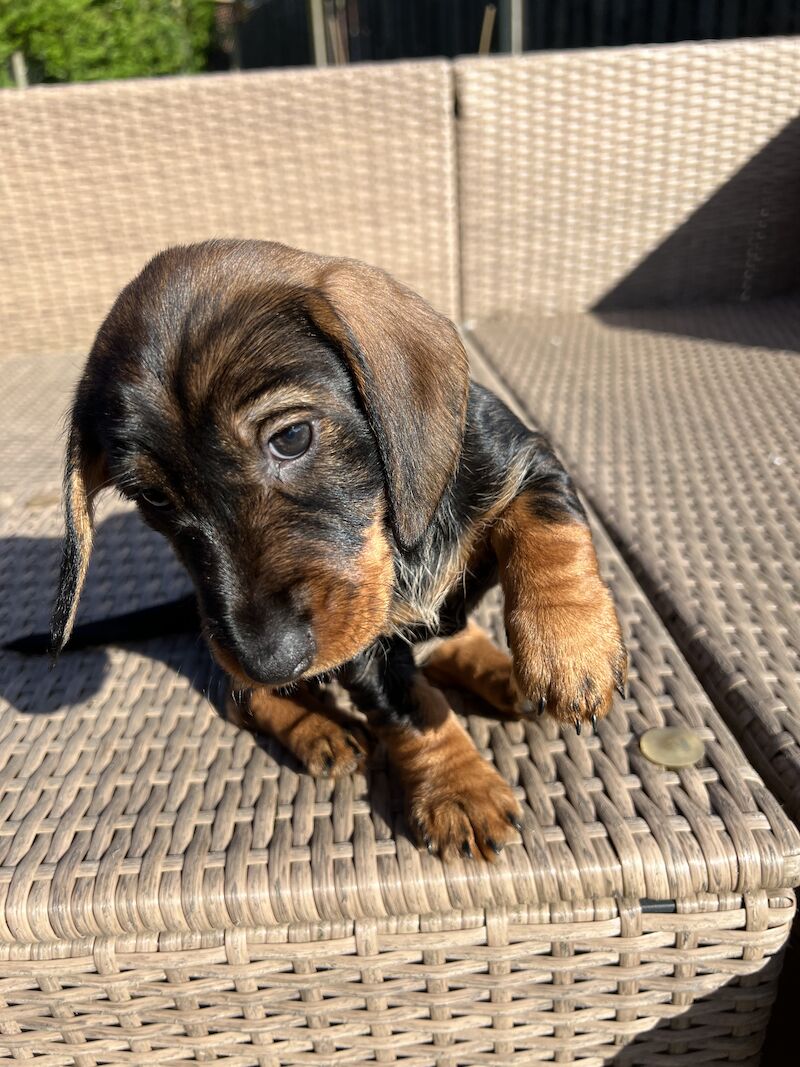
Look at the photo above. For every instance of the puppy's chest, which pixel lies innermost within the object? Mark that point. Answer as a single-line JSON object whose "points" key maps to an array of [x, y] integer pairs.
{"points": [[435, 591]]}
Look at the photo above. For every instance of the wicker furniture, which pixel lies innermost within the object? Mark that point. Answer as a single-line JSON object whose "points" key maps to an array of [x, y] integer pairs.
{"points": [[173, 889]]}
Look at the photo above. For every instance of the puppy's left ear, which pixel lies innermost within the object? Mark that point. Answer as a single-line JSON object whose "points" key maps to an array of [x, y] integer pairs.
{"points": [[84, 474], [412, 375]]}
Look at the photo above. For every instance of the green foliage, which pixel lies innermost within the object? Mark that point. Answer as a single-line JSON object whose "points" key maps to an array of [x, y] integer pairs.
{"points": [[86, 40]]}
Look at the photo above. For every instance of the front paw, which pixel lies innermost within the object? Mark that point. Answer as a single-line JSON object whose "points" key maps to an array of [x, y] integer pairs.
{"points": [[457, 803], [329, 745], [473, 813], [328, 748], [569, 658]]}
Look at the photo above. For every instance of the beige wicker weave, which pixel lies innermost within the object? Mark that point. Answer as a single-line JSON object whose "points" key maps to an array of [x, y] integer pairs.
{"points": [[574, 167], [97, 178], [173, 889]]}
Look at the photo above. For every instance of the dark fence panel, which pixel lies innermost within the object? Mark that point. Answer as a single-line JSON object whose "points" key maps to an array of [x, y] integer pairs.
{"points": [[583, 23], [276, 32], [388, 29]]}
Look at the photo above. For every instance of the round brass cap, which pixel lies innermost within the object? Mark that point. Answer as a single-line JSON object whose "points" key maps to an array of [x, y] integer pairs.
{"points": [[672, 746]]}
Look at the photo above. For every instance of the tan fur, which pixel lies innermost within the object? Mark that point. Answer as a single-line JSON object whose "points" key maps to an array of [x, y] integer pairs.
{"points": [[347, 611], [457, 802], [82, 516], [87, 473], [328, 744], [230, 665], [471, 660], [283, 397], [562, 626], [347, 615]]}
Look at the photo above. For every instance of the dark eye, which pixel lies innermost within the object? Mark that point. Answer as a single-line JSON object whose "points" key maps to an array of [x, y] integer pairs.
{"points": [[154, 498], [292, 442]]}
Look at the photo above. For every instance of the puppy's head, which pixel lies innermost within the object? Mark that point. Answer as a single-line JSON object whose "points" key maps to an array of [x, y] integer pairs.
{"points": [[288, 422]]}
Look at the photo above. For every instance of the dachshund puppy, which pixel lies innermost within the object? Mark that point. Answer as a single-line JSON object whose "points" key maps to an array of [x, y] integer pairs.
{"points": [[304, 432]]}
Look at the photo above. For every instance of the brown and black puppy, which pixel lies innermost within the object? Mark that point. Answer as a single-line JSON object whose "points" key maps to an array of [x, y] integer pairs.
{"points": [[304, 432]]}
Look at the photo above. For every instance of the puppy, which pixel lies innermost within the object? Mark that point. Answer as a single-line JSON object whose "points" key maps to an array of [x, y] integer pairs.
{"points": [[304, 432]]}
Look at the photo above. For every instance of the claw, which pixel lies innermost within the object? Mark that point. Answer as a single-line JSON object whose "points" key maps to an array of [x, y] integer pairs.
{"points": [[578, 727], [515, 822], [466, 851], [429, 846], [493, 845], [623, 691], [594, 723], [542, 705]]}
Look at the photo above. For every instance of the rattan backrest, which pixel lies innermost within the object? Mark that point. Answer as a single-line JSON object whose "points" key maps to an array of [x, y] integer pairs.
{"points": [[355, 161], [630, 176]]}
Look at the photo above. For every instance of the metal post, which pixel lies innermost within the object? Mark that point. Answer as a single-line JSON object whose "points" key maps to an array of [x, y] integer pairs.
{"points": [[487, 29], [510, 22], [316, 19], [516, 17]]}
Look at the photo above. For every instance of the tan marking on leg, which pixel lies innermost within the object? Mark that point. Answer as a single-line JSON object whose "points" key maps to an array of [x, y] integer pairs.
{"points": [[328, 744], [562, 626], [471, 660], [457, 802]]}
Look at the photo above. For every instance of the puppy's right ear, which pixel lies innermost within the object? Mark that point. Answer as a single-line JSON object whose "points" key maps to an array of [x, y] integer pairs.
{"points": [[85, 473]]}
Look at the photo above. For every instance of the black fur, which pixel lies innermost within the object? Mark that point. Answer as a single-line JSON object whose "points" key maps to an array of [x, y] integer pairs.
{"points": [[379, 678]]}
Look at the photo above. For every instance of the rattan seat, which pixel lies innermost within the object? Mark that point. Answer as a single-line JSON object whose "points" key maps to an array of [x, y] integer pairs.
{"points": [[173, 888]]}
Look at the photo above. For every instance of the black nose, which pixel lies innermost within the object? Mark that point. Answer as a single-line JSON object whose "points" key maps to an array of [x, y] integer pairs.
{"points": [[277, 655]]}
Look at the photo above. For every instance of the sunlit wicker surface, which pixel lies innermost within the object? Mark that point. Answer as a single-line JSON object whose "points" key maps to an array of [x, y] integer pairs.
{"points": [[682, 427], [97, 178], [631, 175], [172, 888]]}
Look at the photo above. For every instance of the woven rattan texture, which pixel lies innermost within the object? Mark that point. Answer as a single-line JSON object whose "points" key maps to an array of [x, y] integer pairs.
{"points": [[576, 167], [96, 178], [587, 985], [688, 445], [196, 897]]}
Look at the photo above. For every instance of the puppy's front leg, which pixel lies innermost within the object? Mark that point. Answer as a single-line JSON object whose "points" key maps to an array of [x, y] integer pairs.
{"points": [[457, 803], [328, 745], [562, 627]]}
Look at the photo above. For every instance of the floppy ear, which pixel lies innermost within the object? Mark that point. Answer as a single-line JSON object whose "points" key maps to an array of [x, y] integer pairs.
{"points": [[411, 372], [84, 474]]}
